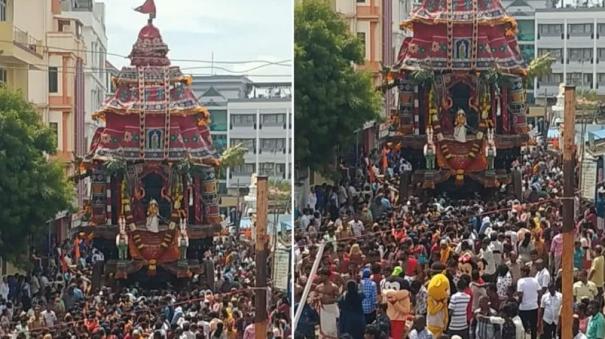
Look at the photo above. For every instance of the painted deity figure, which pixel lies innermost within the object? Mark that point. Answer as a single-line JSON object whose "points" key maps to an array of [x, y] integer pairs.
{"points": [[490, 149], [429, 149], [460, 129], [122, 240], [153, 217], [138, 209], [183, 239]]}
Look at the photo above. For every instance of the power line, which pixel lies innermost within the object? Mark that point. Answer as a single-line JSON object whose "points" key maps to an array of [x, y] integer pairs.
{"points": [[88, 70], [234, 62]]}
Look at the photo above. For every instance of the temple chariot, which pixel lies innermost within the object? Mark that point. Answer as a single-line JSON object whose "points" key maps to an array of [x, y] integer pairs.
{"points": [[153, 209], [461, 117]]}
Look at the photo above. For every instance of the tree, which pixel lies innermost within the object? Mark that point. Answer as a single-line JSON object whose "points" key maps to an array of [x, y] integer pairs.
{"points": [[32, 188], [332, 99]]}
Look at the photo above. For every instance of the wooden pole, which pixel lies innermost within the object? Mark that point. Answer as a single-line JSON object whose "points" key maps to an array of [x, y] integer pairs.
{"points": [[568, 210], [261, 243], [305, 295]]}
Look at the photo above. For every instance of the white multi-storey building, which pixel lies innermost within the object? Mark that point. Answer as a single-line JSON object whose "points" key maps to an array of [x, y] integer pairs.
{"points": [[92, 15], [575, 37], [256, 115], [264, 126]]}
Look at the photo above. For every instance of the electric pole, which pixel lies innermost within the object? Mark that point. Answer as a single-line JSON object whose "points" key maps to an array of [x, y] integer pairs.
{"points": [[261, 243], [569, 117]]}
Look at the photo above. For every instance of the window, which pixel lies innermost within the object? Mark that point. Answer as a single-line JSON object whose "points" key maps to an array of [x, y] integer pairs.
{"points": [[2, 10], [243, 170], [280, 170], [3, 76], [362, 38], [101, 61], [53, 79], [526, 30], [527, 51], [601, 28], [64, 26], [54, 128], [601, 78], [601, 54], [580, 29], [556, 53], [574, 79], [551, 29], [220, 142], [273, 119], [243, 120], [272, 145], [250, 144], [552, 79], [267, 168], [218, 120], [580, 54], [78, 30]]}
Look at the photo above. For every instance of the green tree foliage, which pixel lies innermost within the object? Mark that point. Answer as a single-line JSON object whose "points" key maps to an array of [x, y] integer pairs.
{"points": [[32, 189], [332, 99]]}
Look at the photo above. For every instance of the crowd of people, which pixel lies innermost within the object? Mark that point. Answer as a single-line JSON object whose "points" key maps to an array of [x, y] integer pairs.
{"points": [[57, 300], [395, 266]]}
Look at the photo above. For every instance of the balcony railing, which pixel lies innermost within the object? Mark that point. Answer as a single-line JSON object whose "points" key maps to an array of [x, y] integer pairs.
{"points": [[22, 39]]}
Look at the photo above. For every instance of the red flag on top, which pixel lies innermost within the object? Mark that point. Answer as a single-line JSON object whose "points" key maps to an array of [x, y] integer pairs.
{"points": [[147, 8]]}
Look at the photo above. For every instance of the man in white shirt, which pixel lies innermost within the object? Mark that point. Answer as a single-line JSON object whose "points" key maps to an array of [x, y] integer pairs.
{"points": [[4, 289], [312, 199], [528, 290], [49, 316], [550, 307], [356, 226], [542, 275], [497, 248], [487, 254]]}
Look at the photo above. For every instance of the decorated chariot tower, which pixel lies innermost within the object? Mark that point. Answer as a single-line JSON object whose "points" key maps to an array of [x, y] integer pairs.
{"points": [[154, 203], [462, 104]]}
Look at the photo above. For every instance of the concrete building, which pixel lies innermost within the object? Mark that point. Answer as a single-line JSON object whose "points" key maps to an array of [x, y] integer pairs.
{"points": [[214, 92], [23, 27], [257, 115], [575, 37], [110, 72], [92, 16], [264, 126], [66, 86], [366, 21], [401, 10]]}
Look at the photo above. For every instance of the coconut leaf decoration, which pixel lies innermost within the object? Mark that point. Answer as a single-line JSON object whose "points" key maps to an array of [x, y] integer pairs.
{"points": [[115, 167], [233, 156]]}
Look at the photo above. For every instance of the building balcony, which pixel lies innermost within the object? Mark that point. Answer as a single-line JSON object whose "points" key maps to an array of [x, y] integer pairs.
{"points": [[67, 42], [18, 46]]}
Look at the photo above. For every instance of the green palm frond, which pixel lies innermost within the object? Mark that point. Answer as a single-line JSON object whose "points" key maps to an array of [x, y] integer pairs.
{"points": [[540, 66], [233, 156], [115, 167], [423, 76]]}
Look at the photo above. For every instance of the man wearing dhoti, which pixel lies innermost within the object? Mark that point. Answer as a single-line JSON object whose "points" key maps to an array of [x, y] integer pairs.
{"points": [[326, 294]]}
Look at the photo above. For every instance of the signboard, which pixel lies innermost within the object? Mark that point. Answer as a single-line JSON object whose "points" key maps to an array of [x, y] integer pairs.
{"points": [[281, 269], [589, 179], [383, 131]]}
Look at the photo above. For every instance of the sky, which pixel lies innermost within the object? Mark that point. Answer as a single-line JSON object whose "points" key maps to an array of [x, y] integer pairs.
{"points": [[231, 30]]}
